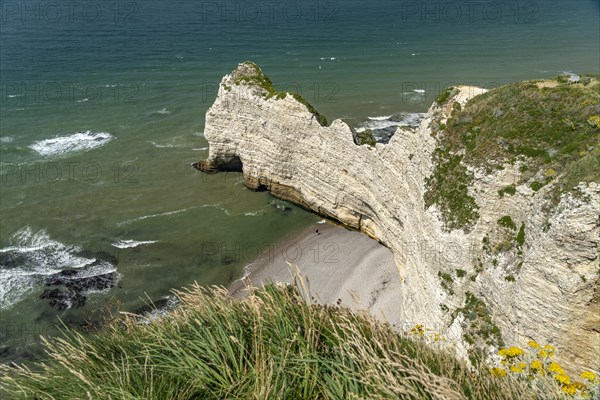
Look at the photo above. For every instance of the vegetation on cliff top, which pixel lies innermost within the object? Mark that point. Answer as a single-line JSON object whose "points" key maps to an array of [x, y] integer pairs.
{"points": [[365, 137], [271, 345], [250, 74], [551, 129]]}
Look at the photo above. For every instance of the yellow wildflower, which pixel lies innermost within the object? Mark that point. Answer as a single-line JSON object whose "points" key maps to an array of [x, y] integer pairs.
{"points": [[542, 354], [537, 365], [569, 389], [534, 344], [563, 378], [549, 349], [518, 368], [579, 386], [418, 329], [499, 372], [511, 352], [589, 375], [554, 367]]}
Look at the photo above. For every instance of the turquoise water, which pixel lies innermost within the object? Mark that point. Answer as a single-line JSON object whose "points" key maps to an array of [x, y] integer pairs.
{"points": [[102, 111]]}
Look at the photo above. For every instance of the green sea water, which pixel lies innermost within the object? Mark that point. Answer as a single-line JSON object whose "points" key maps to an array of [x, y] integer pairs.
{"points": [[102, 112]]}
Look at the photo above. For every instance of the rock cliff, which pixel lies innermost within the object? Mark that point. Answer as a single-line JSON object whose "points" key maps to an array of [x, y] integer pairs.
{"points": [[478, 285]]}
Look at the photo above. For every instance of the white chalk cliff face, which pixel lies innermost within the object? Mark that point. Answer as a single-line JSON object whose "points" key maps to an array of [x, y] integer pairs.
{"points": [[555, 295]]}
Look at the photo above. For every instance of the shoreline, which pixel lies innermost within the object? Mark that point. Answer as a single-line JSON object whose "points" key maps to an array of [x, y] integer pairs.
{"points": [[339, 266]]}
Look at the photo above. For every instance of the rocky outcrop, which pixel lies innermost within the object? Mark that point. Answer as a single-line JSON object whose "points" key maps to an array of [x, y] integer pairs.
{"points": [[546, 290]]}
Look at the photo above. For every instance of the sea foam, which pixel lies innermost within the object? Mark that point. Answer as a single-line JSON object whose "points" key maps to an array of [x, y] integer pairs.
{"points": [[32, 256], [80, 141]]}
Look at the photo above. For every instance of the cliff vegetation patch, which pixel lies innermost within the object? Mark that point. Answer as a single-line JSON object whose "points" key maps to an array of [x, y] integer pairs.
{"points": [[250, 74], [551, 130]]}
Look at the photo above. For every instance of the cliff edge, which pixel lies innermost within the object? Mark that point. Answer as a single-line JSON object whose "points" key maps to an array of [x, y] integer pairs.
{"points": [[490, 207]]}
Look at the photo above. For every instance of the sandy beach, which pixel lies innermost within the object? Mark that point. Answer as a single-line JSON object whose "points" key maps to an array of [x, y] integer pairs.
{"points": [[339, 266]]}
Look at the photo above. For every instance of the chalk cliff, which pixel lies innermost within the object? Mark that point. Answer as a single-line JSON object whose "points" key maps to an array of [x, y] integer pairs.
{"points": [[546, 288]]}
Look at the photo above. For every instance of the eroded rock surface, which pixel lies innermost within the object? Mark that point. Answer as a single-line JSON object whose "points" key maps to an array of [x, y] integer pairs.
{"points": [[547, 289]]}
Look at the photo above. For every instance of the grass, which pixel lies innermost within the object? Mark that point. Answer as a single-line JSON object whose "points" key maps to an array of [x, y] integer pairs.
{"points": [[273, 344], [250, 74], [553, 132]]}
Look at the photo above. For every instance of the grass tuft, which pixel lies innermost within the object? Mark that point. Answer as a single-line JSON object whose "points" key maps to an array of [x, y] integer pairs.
{"points": [[273, 344]]}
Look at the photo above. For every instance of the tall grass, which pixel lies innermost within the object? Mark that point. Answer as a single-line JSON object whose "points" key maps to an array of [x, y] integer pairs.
{"points": [[273, 344]]}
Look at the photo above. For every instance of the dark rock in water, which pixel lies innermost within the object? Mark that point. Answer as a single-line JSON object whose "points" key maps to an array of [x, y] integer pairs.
{"points": [[63, 299], [162, 303], [5, 351], [70, 289], [99, 256], [385, 134]]}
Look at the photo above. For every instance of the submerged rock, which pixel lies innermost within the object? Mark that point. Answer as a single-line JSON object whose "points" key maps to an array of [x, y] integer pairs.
{"points": [[70, 286]]}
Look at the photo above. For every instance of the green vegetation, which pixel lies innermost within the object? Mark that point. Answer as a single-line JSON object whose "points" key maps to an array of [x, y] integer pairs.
{"points": [[445, 95], [509, 278], [479, 328], [448, 188], [446, 281], [271, 345], [366, 137], [461, 273], [521, 235], [507, 222], [251, 75], [511, 190], [552, 132], [535, 186]]}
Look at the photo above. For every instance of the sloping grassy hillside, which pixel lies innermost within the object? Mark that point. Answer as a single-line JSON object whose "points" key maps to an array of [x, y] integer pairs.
{"points": [[271, 345], [551, 128]]}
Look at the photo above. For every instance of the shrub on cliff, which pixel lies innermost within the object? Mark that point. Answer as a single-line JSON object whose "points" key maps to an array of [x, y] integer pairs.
{"points": [[271, 345]]}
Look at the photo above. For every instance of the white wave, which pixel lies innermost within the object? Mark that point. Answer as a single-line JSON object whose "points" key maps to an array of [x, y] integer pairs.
{"points": [[377, 124], [254, 214], [31, 256], [87, 140], [419, 90], [412, 119], [383, 118], [321, 222], [157, 313], [390, 121], [128, 244], [164, 214], [161, 146], [7, 139], [201, 134], [12, 96], [162, 111], [83, 100], [200, 149]]}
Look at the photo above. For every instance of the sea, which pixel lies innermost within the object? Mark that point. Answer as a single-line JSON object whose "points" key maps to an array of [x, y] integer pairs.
{"points": [[102, 107]]}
